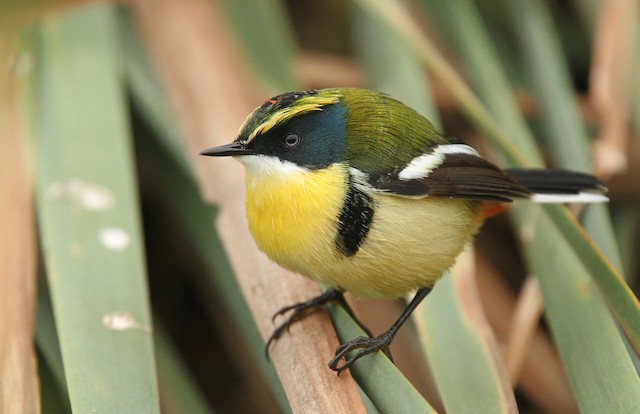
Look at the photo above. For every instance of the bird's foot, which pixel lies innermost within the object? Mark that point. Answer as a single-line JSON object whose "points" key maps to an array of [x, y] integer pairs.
{"points": [[300, 311], [370, 345], [365, 346]]}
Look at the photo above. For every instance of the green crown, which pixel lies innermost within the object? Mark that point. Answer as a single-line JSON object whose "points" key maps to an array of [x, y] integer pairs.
{"points": [[282, 108]]}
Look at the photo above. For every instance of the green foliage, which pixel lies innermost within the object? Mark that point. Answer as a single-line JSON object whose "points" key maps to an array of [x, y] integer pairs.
{"points": [[87, 209]]}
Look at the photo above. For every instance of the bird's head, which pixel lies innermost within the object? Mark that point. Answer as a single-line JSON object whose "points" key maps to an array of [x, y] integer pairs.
{"points": [[305, 128], [316, 128]]}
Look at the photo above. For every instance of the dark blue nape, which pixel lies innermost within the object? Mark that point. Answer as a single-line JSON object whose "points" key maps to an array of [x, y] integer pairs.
{"points": [[322, 136]]}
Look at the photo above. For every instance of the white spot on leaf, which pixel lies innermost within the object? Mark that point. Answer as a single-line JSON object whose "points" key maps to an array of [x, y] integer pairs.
{"points": [[114, 238], [90, 196], [96, 198], [122, 321]]}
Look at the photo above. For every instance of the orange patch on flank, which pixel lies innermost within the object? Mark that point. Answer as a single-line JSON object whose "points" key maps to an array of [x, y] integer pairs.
{"points": [[490, 209]]}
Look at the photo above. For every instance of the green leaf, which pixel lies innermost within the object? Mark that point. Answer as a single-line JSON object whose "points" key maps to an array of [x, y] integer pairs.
{"points": [[462, 352], [263, 29], [88, 213], [474, 47], [392, 67], [600, 370]]}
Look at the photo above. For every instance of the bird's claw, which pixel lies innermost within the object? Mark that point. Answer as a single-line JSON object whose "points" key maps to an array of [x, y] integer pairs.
{"points": [[301, 310], [365, 345], [282, 311]]}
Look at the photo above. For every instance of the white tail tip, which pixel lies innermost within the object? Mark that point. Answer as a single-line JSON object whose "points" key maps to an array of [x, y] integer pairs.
{"points": [[569, 198]]}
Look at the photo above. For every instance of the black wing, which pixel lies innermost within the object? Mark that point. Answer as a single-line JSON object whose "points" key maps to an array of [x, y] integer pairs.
{"points": [[458, 175]]}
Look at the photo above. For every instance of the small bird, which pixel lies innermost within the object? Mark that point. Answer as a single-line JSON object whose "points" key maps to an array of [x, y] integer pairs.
{"points": [[352, 188]]}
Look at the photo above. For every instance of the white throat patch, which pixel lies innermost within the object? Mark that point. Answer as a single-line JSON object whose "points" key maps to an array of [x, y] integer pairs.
{"points": [[266, 165]]}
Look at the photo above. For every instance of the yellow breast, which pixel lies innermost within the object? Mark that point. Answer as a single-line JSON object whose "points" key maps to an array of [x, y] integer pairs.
{"points": [[293, 218]]}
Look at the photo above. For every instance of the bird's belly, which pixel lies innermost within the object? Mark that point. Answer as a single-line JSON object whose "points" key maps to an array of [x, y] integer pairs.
{"points": [[410, 245], [411, 242]]}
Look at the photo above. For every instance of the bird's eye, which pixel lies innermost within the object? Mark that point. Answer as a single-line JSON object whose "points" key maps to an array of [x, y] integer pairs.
{"points": [[292, 140]]}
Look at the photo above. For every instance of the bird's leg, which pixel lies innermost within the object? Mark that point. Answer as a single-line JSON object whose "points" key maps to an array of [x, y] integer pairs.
{"points": [[302, 309], [372, 344]]}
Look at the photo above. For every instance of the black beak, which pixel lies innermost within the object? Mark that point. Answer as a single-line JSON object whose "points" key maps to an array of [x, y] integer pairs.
{"points": [[233, 149]]}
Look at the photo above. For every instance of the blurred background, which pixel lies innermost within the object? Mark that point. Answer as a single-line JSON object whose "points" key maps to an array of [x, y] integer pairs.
{"points": [[129, 283]]}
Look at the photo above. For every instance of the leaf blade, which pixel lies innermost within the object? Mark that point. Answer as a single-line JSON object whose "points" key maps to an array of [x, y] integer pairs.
{"points": [[87, 209]]}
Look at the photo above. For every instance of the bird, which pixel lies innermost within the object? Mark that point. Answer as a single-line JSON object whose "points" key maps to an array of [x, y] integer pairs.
{"points": [[354, 189]]}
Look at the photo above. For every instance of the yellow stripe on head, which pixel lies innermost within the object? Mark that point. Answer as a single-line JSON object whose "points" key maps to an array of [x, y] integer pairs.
{"points": [[283, 108]]}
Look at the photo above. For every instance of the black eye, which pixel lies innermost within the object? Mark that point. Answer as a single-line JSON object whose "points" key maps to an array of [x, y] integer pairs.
{"points": [[292, 140]]}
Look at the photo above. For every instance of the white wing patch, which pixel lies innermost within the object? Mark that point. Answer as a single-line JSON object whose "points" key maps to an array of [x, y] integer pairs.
{"points": [[420, 167]]}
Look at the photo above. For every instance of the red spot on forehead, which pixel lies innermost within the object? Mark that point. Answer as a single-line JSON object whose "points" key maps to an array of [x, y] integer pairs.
{"points": [[272, 101]]}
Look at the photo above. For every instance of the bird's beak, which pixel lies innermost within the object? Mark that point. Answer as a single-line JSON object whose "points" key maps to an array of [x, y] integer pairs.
{"points": [[233, 149]]}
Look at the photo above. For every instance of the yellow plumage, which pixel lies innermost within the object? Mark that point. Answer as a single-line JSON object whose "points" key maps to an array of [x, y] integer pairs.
{"points": [[293, 216]]}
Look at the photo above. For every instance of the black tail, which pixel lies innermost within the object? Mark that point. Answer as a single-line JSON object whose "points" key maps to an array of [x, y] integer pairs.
{"points": [[557, 182]]}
